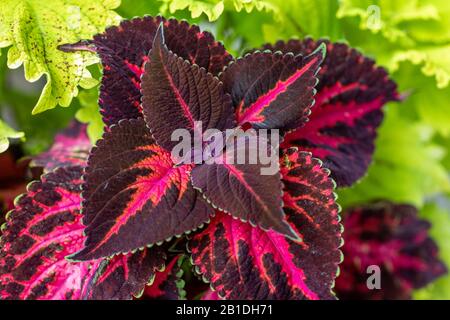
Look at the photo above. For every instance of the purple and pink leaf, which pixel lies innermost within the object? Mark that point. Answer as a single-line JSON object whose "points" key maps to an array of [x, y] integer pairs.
{"points": [[125, 276], [70, 148], [241, 189], [393, 238], [177, 94], [134, 196], [244, 262], [348, 110], [273, 90], [268, 91], [43, 229]]}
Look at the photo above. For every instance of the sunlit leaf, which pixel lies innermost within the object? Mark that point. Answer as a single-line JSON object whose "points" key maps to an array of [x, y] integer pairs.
{"points": [[34, 29]]}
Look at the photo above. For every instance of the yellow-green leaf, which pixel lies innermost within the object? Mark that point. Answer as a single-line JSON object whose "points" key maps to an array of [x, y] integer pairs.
{"points": [[5, 133], [33, 29], [411, 30], [213, 9], [435, 61]]}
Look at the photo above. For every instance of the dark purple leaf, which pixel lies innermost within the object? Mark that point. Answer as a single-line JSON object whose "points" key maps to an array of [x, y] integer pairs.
{"points": [[39, 233], [176, 94], [124, 49], [273, 90], [239, 187], [243, 262], [347, 112], [134, 196], [393, 238], [125, 276]]}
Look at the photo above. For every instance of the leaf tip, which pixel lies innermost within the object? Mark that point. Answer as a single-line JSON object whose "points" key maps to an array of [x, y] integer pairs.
{"points": [[321, 51], [286, 230], [159, 36]]}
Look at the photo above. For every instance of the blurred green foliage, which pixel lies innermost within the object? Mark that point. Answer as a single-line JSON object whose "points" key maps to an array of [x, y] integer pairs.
{"points": [[411, 38], [440, 231]]}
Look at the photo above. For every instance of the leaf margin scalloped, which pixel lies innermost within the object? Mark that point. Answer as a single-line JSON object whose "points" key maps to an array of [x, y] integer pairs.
{"points": [[201, 275]]}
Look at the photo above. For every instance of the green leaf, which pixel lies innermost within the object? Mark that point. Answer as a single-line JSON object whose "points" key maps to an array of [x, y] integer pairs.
{"points": [[301, 18], [405, 30], [445, 143], [429, 103], [35, 28], [39, 129], [439, 218], [213, 9], [246, 24], [131, 8], [406, 166], [386, 16], [89, 113], [435, 61], [5, 133]]}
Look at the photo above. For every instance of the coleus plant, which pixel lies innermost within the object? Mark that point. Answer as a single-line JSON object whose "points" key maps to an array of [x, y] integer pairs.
{"points": [[392, 237], [105, 227]]}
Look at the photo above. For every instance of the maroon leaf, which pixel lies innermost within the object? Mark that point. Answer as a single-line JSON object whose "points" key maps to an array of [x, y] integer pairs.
{"points": [[347, 112], [176, 94], [124, 276], [123, 51], [272, 90], [241, 189], [70, 148], [393, 238], [168, 284], [133, 194], [44, 228], [242, 262]]}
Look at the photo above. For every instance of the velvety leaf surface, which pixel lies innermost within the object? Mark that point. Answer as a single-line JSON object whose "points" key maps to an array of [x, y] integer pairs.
{"points": [[392, 237], [347, 112], [167, 285], [40, 232], [133, 194], [176, 94], [125, 276], [273, 90], [240, 188], [124, 49], [243, 262], [70, 148]]}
